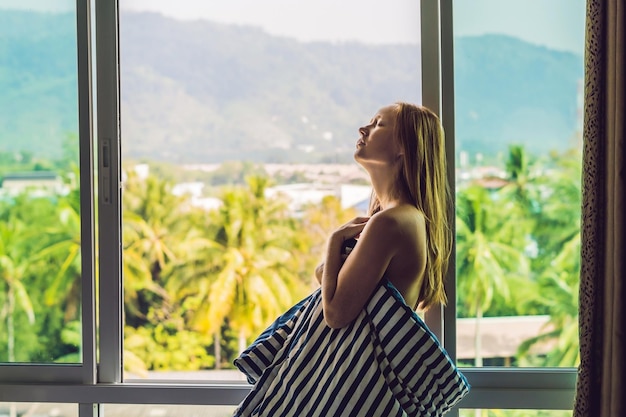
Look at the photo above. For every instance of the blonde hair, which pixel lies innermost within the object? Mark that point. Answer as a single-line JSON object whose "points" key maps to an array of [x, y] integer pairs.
{"points": [[424, 177]]}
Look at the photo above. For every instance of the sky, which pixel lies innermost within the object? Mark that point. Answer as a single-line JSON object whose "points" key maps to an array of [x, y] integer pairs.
{"points": [[557, 24]]}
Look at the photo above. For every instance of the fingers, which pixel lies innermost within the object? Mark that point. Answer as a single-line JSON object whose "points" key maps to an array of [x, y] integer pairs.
{"points": [[357, 221], [352, 229]]}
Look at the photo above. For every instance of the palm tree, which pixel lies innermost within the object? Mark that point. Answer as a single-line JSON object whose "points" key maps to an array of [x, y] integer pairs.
{"points": [[522, 175], [155, 231], [558, 237], [488, 253], [556, 290], [50, 242], [15, 263], [252, 281], [158, 236], [64, 242], [558, 220]]}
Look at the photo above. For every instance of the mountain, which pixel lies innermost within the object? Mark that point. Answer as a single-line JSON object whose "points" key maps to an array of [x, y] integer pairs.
{"points": [[38, 104], [541, 89], [199, 91]]}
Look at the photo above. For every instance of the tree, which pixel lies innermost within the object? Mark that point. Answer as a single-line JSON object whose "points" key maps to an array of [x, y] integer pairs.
{"points": [[14, 264], [250, 282], [558, 220], [489, 253], [521, 174], [48, 243], [63, 239], [154, 231], [556, 290], [159, 239]]}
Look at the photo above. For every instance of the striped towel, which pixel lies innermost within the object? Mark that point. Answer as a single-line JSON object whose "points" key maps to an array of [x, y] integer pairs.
{"points": [[385, 363]]}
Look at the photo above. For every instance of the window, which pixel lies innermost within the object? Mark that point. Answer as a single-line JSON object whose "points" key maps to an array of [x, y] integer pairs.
{"points": [[252, 83], [236, 142], [518, 137], [46, 290], [41, 409]]}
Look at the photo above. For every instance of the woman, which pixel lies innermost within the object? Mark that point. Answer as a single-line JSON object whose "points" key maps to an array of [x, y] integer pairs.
{"points": [[407, 239], [355, 347]]}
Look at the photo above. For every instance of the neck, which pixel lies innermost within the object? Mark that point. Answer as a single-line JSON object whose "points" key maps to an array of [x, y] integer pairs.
{"points": [[387, 191]]}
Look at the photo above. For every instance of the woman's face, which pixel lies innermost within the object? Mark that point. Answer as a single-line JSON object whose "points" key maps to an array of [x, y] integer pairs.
{"points": [[376, 143]]}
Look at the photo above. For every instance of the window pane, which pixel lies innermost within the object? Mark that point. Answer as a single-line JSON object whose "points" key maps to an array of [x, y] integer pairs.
{"points": [[518, 121], [239, 123], [40, 265], [38, 409], [160, 410], [514, 413]]}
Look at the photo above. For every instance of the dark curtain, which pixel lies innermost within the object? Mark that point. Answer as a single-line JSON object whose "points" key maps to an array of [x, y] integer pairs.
{"points": [[600, 390]]}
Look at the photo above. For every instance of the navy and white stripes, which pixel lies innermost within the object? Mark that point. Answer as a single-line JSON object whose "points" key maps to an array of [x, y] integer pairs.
{"points": [[385, 363]]}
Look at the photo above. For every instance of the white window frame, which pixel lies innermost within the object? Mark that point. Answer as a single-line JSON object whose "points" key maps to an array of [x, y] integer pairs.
{"points": [[492, 388], [85, 372]]}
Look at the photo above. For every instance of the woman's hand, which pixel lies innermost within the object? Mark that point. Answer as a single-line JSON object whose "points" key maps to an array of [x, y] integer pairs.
{"points": [[346, 286], [349, 230]]}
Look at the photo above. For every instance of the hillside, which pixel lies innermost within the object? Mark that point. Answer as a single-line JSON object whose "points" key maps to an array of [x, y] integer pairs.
{"points": [[540, 87], [203, 92]]}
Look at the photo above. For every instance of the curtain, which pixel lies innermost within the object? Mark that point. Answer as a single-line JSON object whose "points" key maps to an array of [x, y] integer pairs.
{"points": [[600, 390]]}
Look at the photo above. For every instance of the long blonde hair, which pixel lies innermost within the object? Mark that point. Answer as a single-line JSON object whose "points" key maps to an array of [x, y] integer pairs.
{"points": [[424, 177]]}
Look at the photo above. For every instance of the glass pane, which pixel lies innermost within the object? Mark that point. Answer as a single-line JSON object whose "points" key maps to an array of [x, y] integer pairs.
{"points": [[518, 122], [38, 410], [160, 410], [239, 122], [514, 413], [39, 196]]}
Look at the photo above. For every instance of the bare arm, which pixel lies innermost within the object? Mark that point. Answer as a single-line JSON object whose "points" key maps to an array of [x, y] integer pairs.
{"points": [[319, 271], [346, 287], [346, 248]]}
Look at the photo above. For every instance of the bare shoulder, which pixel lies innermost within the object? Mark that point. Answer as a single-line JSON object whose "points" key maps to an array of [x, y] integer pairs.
{"points": [[406, 233], [399, 219], [401, 229]]}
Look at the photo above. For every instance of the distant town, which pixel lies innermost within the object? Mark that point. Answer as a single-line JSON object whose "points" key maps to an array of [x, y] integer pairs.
{"points": [[347, 182]]}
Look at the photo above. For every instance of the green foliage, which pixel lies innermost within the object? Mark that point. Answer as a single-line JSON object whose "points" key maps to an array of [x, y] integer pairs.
{"points": [[518, 251], [14, 266], [556, 290], [71, 338], [167, 346], [32, 298], [232, 265], [489, 249], [252, 278], [199, 285]]}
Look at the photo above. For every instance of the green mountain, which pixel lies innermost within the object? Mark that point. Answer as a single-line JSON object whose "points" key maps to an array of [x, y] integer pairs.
{"points": [[199, 91], [541, 89], [38, 104]]}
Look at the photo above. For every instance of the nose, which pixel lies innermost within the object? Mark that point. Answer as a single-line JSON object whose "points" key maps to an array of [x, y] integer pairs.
{"points": [[363, 131]]}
